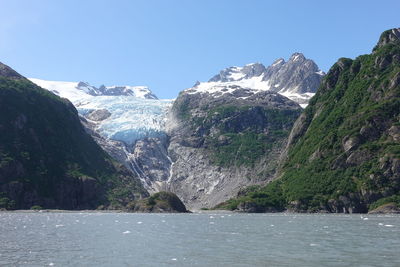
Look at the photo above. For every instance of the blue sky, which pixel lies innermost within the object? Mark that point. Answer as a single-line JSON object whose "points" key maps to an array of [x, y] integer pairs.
{"points": [[169, 45]]}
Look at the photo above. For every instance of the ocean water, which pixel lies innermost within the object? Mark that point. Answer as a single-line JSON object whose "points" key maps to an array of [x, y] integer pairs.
{"points": [[198, 239]]}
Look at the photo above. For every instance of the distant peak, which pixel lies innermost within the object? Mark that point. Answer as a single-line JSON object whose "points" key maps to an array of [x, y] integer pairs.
{"points": [[83, 84], [391, 36], [297, 57]]}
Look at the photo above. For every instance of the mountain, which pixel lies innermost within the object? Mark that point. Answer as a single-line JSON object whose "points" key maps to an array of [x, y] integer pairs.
{"points": [[146, 134], [229, 132], [75, 91], [221, 144], [297, 79], [48, 159], [343, 153]]}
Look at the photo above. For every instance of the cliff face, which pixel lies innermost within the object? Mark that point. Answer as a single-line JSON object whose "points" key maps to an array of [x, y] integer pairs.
{"points": [[46, 157], [221, 144], [343, 153]]}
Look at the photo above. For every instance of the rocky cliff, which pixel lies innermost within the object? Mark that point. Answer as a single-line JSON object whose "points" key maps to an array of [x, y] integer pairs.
{"points": [[47, 158], [343, 153], [220, 144]]}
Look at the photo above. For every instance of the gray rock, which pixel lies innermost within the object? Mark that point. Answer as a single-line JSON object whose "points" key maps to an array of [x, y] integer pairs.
{"points": [[299, 73], [389, 36], [99, 115], [350, 143], [358, 157], [394, 132]]}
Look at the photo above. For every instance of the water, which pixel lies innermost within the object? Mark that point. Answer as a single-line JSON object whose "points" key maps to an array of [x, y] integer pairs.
{"points": [[208, 239]]}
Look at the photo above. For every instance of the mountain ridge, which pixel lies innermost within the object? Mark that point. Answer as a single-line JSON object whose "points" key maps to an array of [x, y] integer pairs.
{"points": [[343, 153]]}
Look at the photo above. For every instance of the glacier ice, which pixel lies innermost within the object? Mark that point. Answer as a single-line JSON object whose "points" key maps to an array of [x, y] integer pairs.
{"points": [[136, 112], [131, 118]]}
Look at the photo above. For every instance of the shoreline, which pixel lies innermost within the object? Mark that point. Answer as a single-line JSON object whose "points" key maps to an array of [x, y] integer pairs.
{"points": [[190, 212]]}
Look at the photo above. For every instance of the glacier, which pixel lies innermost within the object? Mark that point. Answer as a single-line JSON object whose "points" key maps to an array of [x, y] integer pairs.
{"points": [[136, 113], [131, 118]]}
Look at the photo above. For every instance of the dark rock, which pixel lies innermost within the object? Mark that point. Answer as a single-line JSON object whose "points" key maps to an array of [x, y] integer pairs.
{"points": [[161, 202], [358, 157]]}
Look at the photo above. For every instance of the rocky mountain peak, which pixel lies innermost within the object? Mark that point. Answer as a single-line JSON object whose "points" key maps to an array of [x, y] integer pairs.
{"points": [[87, 88], [297, 57], [298, 79], [253, 70], [8, 72], [389, 36]]}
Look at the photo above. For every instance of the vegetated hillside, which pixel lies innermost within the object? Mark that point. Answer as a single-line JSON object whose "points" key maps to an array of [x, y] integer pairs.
{"points": [[343, 153], [46, 157]]}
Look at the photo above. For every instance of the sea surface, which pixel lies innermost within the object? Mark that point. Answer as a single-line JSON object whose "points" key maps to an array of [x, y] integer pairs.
{"points": [[198, 239]]}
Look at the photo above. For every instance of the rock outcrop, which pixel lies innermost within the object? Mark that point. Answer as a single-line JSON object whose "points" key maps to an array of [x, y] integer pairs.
{"points": [[161, 202]]}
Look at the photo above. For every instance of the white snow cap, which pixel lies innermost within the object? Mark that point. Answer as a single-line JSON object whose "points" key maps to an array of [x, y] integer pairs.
{"points": [[253, 76]]}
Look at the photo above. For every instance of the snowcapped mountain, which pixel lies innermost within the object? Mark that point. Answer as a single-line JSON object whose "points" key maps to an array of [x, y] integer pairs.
{"points": [[297, 79], [75, 91]]}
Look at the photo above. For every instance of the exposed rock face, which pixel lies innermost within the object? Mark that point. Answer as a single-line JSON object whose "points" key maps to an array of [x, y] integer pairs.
{"points": [[298, 75], [389, 37], [99, 115], [221, 144], [147, 158]]}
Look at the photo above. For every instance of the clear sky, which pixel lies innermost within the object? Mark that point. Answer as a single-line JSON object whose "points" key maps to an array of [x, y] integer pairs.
{"points": [[170, 44]]}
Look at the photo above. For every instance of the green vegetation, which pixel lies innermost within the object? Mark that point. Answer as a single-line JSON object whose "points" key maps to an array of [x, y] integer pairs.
{"points": [[257, 199], [6, 203], [247, 133], [241, 134], [395, 199], [36, 207], [359, 100]]}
